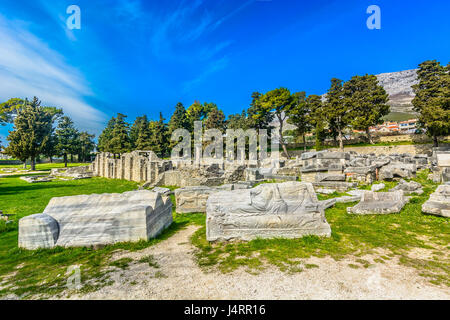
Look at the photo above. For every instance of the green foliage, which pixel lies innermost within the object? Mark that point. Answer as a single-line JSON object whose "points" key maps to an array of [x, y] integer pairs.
{"points": [[352, 235], [280, 102], [159, 136], [300, 115], [105, 137], [120, 140], [337, 115], [9, 108], [31, 132], [215, 120], [43, 273], [238, 121], [66, 138], [141, 128], [86, 146], [259, 117], [179, 119], [367, 102], [432, 99]]}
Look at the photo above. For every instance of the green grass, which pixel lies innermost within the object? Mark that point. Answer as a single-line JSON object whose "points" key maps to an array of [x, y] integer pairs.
{"points": [[43, 273], [42, 166], [399, 116], [352, 235]]}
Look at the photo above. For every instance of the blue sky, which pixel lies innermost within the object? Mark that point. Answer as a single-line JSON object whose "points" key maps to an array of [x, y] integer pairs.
{"points": [[142, 57]]}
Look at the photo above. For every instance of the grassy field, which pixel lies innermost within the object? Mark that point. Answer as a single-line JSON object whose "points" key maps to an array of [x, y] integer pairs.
{"points": [[43, 273], [397, 235], [42, 166]]}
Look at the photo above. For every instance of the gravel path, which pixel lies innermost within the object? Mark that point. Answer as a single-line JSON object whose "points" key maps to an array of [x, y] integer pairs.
{"points": [[179, 277]]}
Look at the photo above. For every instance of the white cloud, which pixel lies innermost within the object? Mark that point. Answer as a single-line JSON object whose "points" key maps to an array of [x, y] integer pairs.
{"points": [[28, 67]]}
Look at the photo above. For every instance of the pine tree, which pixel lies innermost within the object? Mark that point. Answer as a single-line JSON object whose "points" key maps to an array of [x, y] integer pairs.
{"points": [[120, 139], [299, 115], [338, 116], [215, 120], [136, 128], [87, 146], [32, 129], [196, 112], [144, 140], [432, 99], [258, 116], [10, 108], [238, 121], [49, 149], [279, 101], [179, 119], [105, 137], [317, 119], [159, 136], [66, 138], [367, 102]]}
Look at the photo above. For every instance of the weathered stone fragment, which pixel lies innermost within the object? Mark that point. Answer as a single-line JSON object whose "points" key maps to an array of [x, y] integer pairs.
{"points": [[38, 231], [379, 203], [192, 199], [408, 187], [162, 191], [329, 177], [285, 210], [378, 187], [97, 219], [439, 202]]}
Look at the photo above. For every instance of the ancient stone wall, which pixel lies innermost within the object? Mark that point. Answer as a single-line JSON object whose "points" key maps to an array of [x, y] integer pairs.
{"points": [[139, 166]]}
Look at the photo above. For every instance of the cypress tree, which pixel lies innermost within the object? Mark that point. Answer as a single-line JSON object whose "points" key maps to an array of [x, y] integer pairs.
{"points": [[120, 139], [105, 137], [67, 138]]}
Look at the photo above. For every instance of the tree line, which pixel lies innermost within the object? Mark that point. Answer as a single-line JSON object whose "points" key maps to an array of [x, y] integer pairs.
{"points": [[43, 131], [356, 104]]}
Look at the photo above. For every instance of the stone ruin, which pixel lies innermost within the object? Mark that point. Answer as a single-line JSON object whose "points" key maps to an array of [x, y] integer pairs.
{"points": [[439, 202], [284, 210], [138, 166], [379, 203], [75, 173], [96, 220], [235, 209]]}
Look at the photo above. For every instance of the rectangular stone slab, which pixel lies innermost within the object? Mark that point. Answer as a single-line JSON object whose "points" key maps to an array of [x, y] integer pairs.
{"points": [[273, 210], [439, 202], [379, 203], [97, 219]]}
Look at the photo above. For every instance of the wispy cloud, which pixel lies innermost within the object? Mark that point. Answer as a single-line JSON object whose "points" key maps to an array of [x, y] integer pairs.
{"points": [[212, 68], [28, 67]]}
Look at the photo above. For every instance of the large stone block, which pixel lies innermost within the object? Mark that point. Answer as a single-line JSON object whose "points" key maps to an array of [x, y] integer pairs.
{"points": [[439, 202], [38, 231], [379, 203], [193, 199], [275, 210], [97, 219]]}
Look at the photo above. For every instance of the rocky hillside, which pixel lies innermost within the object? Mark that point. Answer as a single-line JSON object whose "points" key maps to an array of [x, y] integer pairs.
{"points": [[398, 86]]}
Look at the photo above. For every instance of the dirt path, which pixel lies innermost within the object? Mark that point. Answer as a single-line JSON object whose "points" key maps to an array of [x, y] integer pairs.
{"points": [[179, 277]]}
